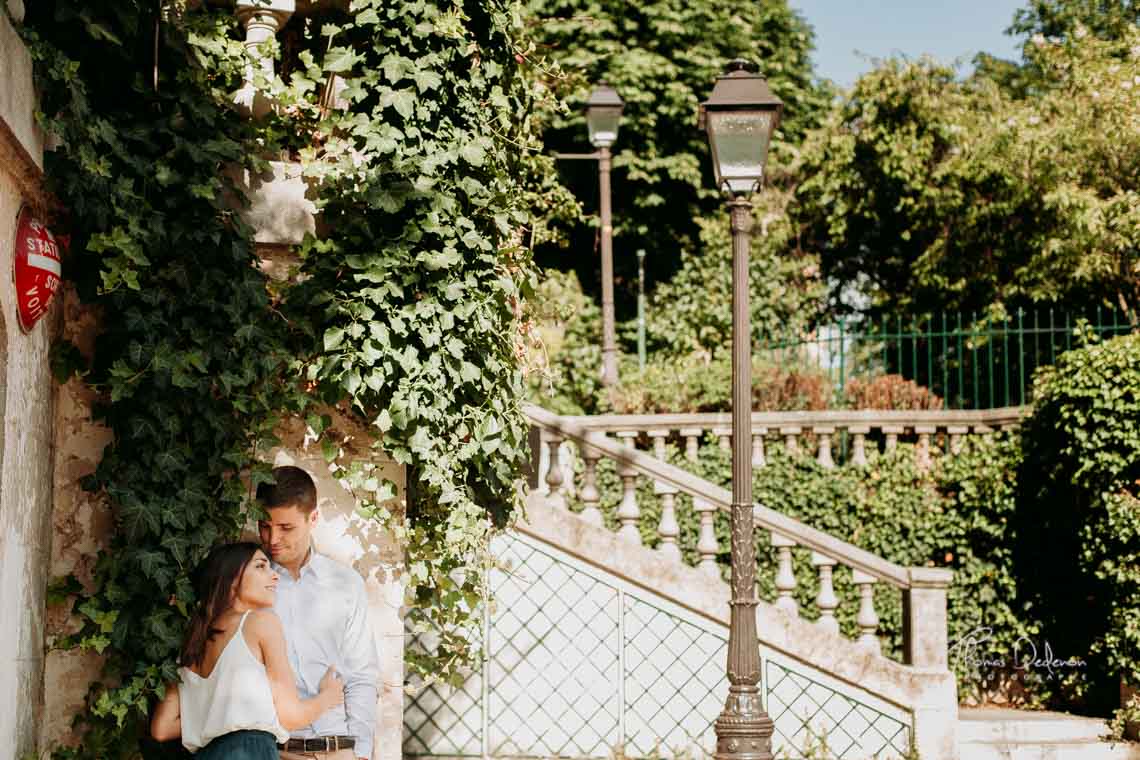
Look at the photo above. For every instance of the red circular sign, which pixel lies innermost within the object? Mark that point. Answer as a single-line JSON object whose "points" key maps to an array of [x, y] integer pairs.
{"points": [[37, 269]]}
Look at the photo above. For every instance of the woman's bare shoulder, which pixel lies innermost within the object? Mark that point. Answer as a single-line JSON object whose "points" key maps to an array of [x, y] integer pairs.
{"points": [[264, 620]]}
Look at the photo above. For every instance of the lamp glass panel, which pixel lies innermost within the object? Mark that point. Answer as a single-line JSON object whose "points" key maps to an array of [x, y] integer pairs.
{"points": [[603, 121], [740, 147]]}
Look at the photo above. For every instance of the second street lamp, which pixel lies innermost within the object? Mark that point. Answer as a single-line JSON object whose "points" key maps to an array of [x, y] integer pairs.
{"points": [[740, 117], [603, 117]]}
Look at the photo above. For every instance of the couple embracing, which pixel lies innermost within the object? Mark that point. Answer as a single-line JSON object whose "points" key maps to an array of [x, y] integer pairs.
{"points": [[278, 661]]}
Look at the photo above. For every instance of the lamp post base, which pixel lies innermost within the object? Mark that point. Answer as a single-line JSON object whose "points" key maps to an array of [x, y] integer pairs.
{"points": [[743, 730]]}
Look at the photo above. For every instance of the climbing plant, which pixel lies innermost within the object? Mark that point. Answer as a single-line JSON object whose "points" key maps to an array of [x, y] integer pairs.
{"points": [[410, 307], [405, 314]]}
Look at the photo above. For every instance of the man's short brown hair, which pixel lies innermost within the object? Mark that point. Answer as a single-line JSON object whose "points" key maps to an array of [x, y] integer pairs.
{"points": [[293, 487]]}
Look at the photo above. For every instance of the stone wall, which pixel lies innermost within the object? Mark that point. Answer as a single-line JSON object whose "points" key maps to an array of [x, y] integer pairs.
{"points": [[26, 397], [50, 527], [81, 526], [349, 538]]}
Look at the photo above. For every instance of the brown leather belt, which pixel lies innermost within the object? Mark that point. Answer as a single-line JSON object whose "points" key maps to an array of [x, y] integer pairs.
{"points": [[319, 744]]}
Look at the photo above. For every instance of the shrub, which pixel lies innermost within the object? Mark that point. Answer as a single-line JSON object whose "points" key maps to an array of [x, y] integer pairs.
{"points": [[1078, 518], [693, 384], [889, 392]]}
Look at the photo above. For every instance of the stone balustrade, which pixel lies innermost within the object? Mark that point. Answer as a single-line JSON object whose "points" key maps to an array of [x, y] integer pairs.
{"points": [[923, 589], [819, 432]]}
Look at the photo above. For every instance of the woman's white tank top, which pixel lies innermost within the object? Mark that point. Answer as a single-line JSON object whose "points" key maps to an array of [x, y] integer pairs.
{"points": [[235, 697]]}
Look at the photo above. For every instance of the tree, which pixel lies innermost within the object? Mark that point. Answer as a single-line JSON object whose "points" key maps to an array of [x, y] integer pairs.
{"points": [[662, 56], [933, 194], [692, 312], [1106, 19]]}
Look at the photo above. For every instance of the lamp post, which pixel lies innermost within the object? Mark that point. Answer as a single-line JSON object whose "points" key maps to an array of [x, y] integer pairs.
{"points": [[603, 117], [740, 116]]}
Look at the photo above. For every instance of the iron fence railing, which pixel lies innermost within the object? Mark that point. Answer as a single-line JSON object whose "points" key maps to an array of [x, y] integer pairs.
{"points": [[971, 362]]}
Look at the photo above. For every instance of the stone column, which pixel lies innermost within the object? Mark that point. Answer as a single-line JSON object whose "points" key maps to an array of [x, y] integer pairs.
{"points": [[262, 20], [925, 643], [924, 617], [27, 396]]}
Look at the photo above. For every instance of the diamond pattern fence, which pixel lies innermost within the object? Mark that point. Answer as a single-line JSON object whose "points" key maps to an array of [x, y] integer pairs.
{"points": [[579, 664]]}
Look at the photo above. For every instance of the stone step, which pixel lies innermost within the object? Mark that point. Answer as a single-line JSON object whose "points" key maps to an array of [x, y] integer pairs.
{"points": [[1002, 734]]}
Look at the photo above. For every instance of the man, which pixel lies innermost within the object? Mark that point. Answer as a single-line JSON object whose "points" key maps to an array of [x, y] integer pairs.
{"points": [[324, 610]]}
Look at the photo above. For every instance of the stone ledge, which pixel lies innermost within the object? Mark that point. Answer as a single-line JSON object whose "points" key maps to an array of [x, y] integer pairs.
{"points": [[279, 210], [21, 140]]}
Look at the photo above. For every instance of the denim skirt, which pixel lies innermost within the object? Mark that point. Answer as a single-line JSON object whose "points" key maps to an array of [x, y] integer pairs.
{"points": [[240, 745]]}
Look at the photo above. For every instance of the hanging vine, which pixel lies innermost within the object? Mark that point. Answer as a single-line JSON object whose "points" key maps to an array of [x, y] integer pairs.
{"points": [[406, 314]]}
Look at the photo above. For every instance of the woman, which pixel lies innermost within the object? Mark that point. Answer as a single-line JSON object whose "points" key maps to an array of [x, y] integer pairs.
{"points": [[237, 698]]}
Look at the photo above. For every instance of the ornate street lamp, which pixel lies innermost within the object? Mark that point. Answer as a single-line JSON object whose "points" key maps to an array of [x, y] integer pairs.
{"points": [[740, 117], [603, 117]]}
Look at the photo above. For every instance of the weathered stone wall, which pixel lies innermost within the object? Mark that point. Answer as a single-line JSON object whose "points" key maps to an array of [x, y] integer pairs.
{"points": [[349, 538], [26, 397], [81, 526]]}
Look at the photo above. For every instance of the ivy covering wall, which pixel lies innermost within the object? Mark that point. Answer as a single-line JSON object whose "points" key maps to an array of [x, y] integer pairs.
{"points": [[404, 312]]}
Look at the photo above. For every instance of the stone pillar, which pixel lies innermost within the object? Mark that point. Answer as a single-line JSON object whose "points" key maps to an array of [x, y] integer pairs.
{"points": [[925, 645], [922, 450], [892, 432], [27, 398], [262, 20], [859, 444], [925, 637], [956, 432]]}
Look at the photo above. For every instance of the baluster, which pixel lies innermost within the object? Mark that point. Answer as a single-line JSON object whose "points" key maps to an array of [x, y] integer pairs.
{"points": [[956, 432], [589, 494], [723, 438], [867, 619], [692, 438], [667, 528], [984, 430], [824, 456], [785, 576], [554, 477], [826, 599], [791, 435], [628, 512], [922, 451], [758, 446], [706, 539], [892, 433], [859, 444]]}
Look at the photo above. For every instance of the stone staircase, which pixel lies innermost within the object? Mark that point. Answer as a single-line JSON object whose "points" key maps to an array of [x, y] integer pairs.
{"points": [[839, 685], [999, 734]]}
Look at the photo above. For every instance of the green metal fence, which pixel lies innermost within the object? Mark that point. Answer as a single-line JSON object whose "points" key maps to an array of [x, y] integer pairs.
{"points": [[971, 362]]}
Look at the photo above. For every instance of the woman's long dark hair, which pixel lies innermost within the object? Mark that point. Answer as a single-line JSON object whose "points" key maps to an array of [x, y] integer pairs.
{"points": [[214, 582]]}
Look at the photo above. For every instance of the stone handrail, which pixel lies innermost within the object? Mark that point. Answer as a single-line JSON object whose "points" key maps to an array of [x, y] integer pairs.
{"points": [[924, 588], [954, 424], [1002, 418]]}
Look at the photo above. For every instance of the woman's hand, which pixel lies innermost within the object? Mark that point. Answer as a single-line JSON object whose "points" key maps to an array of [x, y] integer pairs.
{"points": [[292, 711], [331, 688]]}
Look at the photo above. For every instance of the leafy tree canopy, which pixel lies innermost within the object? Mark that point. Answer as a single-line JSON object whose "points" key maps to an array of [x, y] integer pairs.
{"points": [[934, 194], [662, 56], [1107, 19]]}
